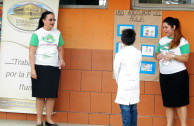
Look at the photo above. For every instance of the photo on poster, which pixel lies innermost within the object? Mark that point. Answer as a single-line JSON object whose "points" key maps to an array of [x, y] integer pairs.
{"points": [[147, 67], [119, 46], [121, 27], [149, 31], [147, 50]]}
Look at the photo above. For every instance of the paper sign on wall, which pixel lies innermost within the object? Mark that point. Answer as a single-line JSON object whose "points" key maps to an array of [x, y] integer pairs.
{"points": [[147, 25]]}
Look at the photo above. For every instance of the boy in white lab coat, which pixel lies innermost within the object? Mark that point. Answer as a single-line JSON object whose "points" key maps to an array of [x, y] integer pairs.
{"points": [[126, 70]]}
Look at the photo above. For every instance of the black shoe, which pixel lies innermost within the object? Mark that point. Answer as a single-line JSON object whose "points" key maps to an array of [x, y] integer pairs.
{"points": [[48, 124], [40, 124]]}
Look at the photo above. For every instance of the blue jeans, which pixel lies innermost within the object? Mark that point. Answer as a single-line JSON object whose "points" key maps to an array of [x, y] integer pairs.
{"points": [[129, 114]]}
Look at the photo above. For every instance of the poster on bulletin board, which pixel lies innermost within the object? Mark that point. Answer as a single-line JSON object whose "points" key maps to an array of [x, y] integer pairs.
{"points": [[147, 25]]}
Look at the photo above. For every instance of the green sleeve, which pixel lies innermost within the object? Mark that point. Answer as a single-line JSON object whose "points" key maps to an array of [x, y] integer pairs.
{"points": [[61, 42], [158, 48], [34, 40], [185, 49]]}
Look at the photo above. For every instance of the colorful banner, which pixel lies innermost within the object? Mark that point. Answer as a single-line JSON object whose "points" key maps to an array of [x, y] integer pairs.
{"points": [[20, 19]]}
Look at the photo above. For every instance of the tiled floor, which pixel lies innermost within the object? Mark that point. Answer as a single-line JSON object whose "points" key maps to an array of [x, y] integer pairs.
{"points": [[30, 123]]}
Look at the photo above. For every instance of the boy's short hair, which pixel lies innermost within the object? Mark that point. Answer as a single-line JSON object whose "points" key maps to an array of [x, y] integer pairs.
{"points": [[128, 36]]}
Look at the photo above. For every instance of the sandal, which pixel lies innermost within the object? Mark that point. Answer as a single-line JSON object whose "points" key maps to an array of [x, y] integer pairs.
{"points": [[49, 124], [39, 124]]}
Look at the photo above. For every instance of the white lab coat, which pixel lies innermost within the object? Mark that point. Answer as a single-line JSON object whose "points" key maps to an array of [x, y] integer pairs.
{"points": [[126, 70]]}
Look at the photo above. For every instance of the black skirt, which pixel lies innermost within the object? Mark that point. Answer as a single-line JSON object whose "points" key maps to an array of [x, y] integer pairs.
{"points": [[175, 89], [47, 82]]}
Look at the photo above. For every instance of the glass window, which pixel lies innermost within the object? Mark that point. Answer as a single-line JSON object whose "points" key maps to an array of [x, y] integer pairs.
{"points": [[166, 1], [163, 4], [79, 2], [84, 4], [101, 4]]}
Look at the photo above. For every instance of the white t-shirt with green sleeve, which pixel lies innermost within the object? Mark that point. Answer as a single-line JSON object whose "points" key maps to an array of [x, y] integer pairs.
{"points": [[173, 65], [47, 43]]}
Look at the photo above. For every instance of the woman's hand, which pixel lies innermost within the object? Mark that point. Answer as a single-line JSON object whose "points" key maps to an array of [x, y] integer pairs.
{"points": [[33, 74], [168, 56], [159, 56], [61, 63]]}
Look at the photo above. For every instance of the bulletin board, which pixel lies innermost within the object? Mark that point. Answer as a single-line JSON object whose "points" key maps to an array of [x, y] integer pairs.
{"points": [[147, 25]]}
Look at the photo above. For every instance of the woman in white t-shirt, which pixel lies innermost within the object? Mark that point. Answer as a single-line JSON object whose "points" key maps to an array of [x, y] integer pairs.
{"points": [[46, 60], [172, 52]]}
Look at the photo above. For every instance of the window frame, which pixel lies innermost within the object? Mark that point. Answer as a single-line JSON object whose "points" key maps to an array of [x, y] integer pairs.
{"points": [[84, 6], [177, 7]]}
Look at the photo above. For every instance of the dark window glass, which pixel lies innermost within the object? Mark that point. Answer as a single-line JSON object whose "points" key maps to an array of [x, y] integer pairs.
{"points": [[166, 1], [150, 1], [79, 2]]}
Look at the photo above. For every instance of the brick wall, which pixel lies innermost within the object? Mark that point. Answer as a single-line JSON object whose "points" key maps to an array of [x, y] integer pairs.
{"points": [[87, 92]]}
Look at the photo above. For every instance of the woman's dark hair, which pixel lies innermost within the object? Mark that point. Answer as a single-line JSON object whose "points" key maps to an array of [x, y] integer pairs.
{"points": [[43, 16], [177, 32], [128, 36]]}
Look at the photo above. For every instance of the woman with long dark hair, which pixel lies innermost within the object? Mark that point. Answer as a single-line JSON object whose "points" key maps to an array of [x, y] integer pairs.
{"points": [[46, 59], [172, 52]]}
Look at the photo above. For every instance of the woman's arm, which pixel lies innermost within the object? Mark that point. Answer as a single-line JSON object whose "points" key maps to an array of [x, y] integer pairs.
{"points": [[32, 51], [61, 60], [183, 58]]}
